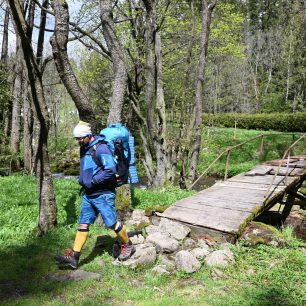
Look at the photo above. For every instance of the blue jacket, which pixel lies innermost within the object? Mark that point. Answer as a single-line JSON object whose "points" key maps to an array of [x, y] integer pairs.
{"points": [[96, 177]]}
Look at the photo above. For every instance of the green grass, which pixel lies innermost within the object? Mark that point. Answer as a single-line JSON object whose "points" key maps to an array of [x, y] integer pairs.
{"points": [[216, 140], [260, 276]]}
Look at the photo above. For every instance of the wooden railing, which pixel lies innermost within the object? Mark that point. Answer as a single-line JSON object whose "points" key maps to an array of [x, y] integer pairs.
{"points": [[228, 151], [286, 155]]}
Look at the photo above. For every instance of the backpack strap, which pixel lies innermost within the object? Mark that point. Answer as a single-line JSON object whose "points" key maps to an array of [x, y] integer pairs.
{"points": [[93, 154]]}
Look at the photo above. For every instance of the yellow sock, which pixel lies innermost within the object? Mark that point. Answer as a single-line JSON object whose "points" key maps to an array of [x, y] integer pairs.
{"points": [[80, 240], [122, 235]]}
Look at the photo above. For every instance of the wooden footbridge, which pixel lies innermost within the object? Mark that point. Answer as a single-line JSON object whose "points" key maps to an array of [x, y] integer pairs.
{"points": [[223, 210]]}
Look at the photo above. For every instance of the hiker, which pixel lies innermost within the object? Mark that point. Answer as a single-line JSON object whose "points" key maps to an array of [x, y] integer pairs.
{"points": [[98, 182]]}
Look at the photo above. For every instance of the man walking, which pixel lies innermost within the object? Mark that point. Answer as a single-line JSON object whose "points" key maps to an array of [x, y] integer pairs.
{"points": [[98, 181]]}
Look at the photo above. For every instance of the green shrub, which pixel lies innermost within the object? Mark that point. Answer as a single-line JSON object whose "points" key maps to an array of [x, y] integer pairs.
{"points": [[283, 122]]}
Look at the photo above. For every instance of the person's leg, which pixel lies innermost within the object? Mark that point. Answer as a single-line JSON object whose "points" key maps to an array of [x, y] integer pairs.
{"points": [[87, 217], [105, 204]]}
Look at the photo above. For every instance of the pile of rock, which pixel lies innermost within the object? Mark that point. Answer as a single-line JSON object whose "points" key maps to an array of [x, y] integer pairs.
{"points": [[168, 244]]}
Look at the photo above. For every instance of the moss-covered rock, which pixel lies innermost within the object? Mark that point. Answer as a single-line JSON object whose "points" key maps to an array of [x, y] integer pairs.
{"points": [[149, 211], [123, 201], [260, 233]]}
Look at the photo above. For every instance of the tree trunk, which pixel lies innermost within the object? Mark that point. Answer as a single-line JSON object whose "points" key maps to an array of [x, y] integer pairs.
{"points": [[161, 139], [4, 52], [207, 10], [28, 124], [154, 96], [58, 42], [150, 69], [41, 34], [27, 110], [16, 102], [123, 197], [4, 65], [117, 55], [47, 205]]}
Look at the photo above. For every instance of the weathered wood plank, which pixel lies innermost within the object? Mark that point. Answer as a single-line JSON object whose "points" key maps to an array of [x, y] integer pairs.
{"points": [[292, 163], [211, 203], [233, 191], [230, 197], [287, 171], [267, 179], [220, 220], [250, 186], [259, 170]]}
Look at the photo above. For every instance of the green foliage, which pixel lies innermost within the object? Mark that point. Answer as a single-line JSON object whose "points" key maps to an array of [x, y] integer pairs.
{"points": [[284, 122], [225, 32], [95, 74]]}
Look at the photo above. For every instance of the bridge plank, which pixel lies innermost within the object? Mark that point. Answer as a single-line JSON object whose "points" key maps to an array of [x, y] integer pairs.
{"points": [[220, 219], [292, 163], [249, 186], [235, 191], [287, 171], [259, 170], [267, 179], [205, 203]]}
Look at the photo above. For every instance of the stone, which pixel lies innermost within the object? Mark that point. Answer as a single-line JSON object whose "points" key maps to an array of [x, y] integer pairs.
{"points": [[139, 217], [73, 276], [189, 282], [297, 220], [163, 242], [199, 253], [166, 262], [152, 229], [160, 269], [137, 239], [175, 229], [217, 274], [219, 258], [189, 243], [101, 263], [185, 261], [145, 255], [155, 220], [260, 233], [303, 250], [206, 239], [203, 245]]}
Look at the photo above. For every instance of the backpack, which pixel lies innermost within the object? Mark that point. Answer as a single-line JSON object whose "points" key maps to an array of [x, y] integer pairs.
{"points": [[121, 144]]}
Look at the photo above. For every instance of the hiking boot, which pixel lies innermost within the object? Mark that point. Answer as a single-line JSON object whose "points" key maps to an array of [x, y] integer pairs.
{"points": [[127, 250], [70, 258]]}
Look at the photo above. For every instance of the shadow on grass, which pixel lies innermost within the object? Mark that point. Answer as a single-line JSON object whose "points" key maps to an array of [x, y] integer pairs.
{"points": [[104, 243], [271, 296], [71, 210], [24, 268]]}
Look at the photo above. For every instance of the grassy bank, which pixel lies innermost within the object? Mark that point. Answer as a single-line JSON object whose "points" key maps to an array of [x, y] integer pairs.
{"points": [[217, 140], [260, 276]]}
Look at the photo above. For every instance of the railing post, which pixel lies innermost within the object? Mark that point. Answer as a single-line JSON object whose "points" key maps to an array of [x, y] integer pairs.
{"points": [[261, 144], [227, 164]]}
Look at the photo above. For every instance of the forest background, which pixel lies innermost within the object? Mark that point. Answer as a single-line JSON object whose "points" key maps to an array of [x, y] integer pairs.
{"points": [[157, 66]]}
